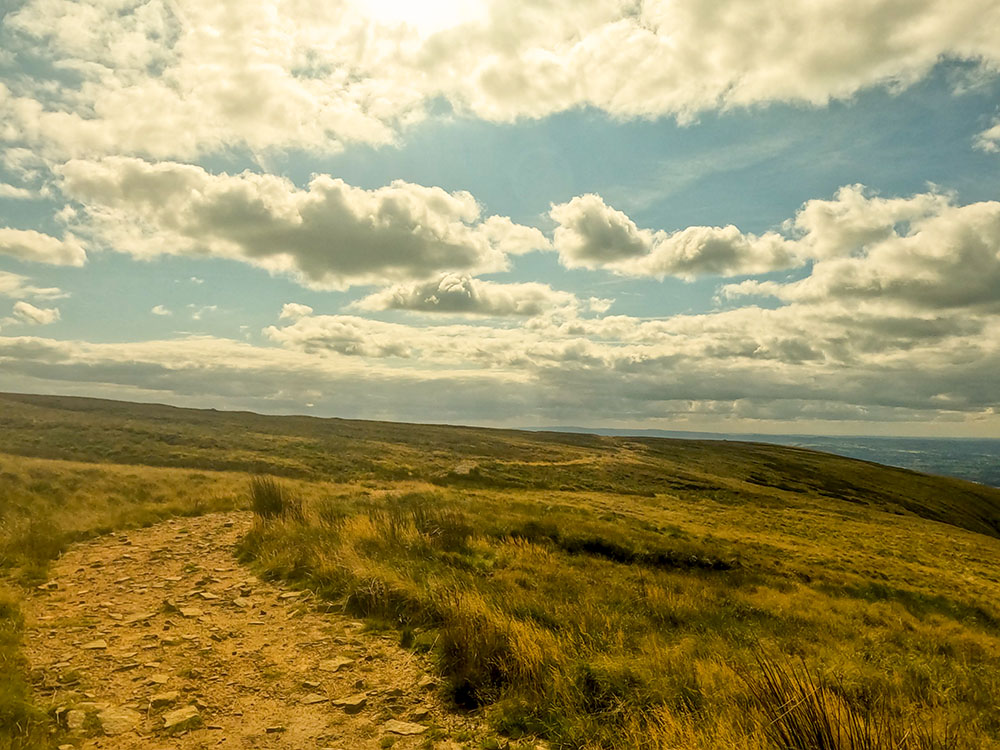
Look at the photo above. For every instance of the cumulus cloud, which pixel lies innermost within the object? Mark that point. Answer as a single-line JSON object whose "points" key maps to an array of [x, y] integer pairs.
{"points": [[925, 249], [329, 235], [18, 287], [161, 310], [29, 245], [178, 79], [294, 311], [25, 312], [463, 295], [924, 252], [591, 234]]}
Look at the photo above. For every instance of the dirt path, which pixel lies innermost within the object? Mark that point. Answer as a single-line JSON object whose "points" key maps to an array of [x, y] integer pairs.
{"points": [[163, 627]]}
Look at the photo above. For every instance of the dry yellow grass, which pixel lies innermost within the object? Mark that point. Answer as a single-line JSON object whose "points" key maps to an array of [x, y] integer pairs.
{"points": [[604, 593], [545, 617]]}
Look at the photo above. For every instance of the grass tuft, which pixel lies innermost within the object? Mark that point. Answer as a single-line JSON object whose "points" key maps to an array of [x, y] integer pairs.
{"points": [[802, 712], [269, 499]]}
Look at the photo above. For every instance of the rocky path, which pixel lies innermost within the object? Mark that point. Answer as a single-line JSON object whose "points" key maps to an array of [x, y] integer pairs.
{"points": [[159, 639]]}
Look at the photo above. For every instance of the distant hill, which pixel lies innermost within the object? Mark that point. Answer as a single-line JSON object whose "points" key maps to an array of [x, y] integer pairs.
{"points": [[96, 430], [975, 459]]}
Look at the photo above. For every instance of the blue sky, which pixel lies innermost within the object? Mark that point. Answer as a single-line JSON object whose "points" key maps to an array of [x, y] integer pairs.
{"points": [[670, 215]]}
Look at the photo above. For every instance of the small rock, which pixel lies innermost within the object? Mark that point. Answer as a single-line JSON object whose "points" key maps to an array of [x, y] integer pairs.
{"points": [[290, 595], [275, 729], [403, 727], [164, 699], [335, 665], [118, 720], [49, 586], [240, 601], [95, 645], [420, 714], [181, 719], [352, 704], [75, 719], [158, 679], [394, 692], [308, 685], [191, 612], [314, 698], [427, 683], [141, 617]]}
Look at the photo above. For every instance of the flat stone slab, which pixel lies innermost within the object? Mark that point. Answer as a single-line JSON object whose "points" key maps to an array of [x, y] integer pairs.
{"points": [[181, 719], [116, 720], [141, 617], [353, 703], [335, 665], [403, 727], [95, 645], [161, 700], [314, 698]]}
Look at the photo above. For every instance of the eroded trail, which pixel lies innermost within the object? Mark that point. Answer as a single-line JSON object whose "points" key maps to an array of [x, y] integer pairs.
{"points": [[160, 639]]}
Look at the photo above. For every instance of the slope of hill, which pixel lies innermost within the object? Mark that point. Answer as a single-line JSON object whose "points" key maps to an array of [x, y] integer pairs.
{"points": [[588, 591], [347, 450]]}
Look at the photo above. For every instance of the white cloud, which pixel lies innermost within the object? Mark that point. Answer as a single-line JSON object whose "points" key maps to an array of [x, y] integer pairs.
{"points": [[25, 312], [463, 295], [29, 245], [177, 79], [591, 234], [199, 312], [923, 252], [599, 305], [749, 366], [161, 310], [329, 235], [12, 192], [344, 334], [18, 287], [294, 311], [989, 139]]}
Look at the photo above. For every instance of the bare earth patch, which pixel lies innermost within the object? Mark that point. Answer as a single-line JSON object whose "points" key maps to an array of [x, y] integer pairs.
{"points": [[160, 639]]}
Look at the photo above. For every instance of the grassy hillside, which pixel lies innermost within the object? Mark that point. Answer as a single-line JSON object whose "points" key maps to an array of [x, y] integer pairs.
{"points": [[352, 450], [597, 592]]}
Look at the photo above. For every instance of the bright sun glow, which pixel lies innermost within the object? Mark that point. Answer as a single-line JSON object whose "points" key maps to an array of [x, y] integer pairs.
{"points": [[428, 16]]}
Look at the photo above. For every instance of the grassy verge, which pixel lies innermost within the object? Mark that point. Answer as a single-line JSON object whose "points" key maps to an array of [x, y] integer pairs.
{"points": [[638, 627], [45, 506]]}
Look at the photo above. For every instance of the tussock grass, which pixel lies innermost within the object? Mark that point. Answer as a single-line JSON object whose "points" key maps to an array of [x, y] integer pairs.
{"points": [[801, 712], [607, 630], [269, 499]]}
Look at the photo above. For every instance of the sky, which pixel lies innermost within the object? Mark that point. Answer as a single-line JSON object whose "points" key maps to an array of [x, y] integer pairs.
{"points": [[742, 216]]}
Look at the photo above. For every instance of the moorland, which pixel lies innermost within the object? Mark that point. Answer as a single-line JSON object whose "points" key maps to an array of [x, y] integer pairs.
{"points": [[582, 591]]}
